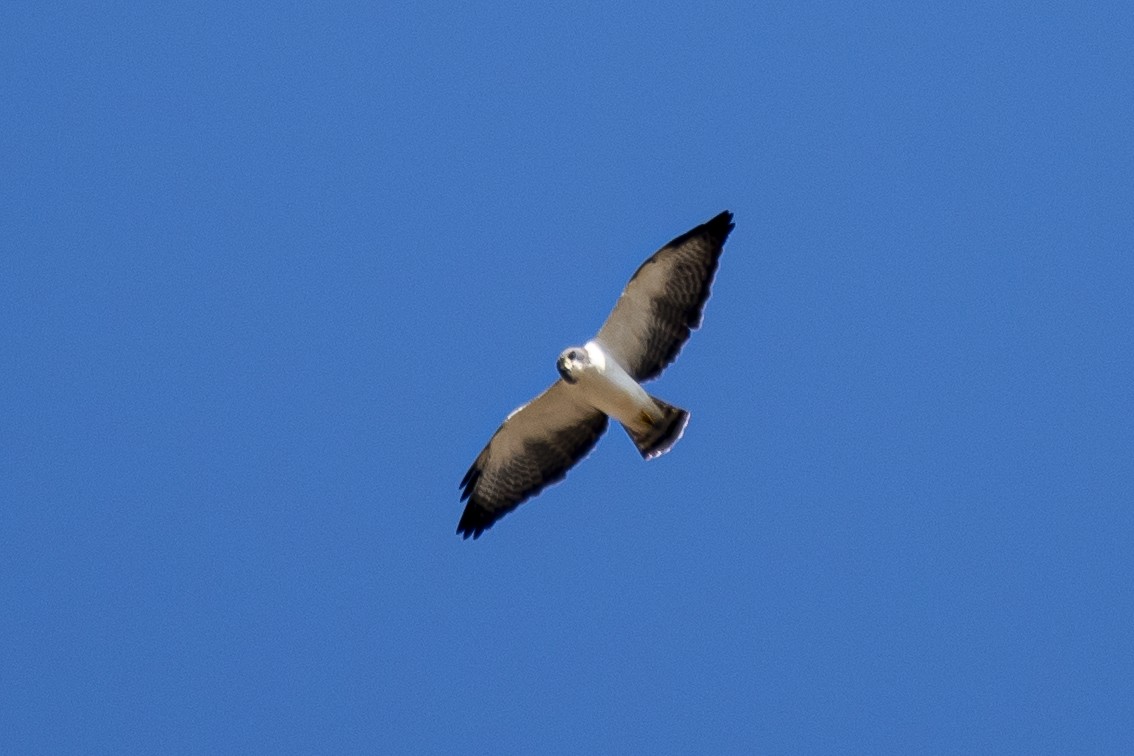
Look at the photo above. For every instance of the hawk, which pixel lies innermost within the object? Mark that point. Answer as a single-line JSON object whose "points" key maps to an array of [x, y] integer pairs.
{"points": [[539, 442]]}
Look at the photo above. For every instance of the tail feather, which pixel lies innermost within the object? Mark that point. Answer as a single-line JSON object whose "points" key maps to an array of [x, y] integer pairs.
{"points": [[660, 437]]}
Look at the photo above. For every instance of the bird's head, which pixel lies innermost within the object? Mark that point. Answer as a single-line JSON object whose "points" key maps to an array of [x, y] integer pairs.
{"points": [[571, 363]]}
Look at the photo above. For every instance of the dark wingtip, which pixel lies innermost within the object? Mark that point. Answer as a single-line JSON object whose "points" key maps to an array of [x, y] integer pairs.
{"points": [[476, 518], [474, 521], [717, 228], [468, 483], [721, 224]]}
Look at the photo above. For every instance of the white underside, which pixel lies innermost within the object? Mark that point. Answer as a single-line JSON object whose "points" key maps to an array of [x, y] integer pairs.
{"points": [[608, 387]]}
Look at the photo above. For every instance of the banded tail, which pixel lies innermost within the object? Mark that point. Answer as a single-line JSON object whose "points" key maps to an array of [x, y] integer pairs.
{"points": [[660, 437]]}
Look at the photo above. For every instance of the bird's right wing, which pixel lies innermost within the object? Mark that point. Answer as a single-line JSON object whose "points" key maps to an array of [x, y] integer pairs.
{"points": [[535, 447]]}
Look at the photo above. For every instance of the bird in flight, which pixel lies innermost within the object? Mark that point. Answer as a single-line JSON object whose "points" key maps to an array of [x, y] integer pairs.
{"points": [[539, 442]]}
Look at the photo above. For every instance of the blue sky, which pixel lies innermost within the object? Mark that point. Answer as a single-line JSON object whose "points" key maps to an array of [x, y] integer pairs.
{"points": [[271, 275]]}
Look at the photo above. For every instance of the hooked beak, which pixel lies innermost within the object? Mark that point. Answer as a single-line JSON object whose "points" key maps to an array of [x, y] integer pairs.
{"points": [[561, 366]]}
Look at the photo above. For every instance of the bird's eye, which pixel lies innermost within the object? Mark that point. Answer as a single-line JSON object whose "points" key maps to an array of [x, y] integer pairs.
{"points": [[573, 355]]}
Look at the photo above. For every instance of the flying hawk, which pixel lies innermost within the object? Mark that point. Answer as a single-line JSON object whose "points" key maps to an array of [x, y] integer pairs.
{"points": [[541, 440]]}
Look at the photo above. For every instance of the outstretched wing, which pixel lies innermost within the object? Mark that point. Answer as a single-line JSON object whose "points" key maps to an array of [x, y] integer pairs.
{"points": [[535, 447], [664, 300]]}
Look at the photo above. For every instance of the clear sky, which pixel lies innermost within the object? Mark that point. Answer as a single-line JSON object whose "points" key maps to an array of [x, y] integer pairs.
{"points": [[272, 274]]}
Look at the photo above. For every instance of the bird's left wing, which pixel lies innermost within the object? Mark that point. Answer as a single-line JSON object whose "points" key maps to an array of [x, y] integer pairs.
{"points": [[664, 300], [535, 447]]}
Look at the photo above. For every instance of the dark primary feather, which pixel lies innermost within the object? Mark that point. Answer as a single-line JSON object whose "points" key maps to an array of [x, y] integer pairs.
{"points": [[544, 440], [665, 299]]}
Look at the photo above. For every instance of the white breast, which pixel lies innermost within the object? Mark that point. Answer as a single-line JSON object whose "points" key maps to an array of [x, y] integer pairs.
{"points": [[608, 386]]}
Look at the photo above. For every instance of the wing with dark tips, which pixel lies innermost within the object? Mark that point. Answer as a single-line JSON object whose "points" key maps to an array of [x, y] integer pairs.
{"points": [[534, 448], [664, 300]]}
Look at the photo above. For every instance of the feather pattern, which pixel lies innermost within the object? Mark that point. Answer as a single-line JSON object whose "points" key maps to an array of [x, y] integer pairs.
{"points": [[665, 300], [534, 448]]}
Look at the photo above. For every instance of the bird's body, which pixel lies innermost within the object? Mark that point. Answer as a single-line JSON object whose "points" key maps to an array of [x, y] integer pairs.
{"points": [[608, 387], [652, 319]]}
